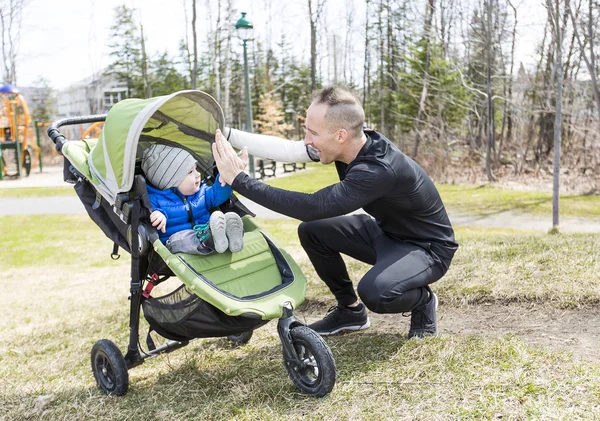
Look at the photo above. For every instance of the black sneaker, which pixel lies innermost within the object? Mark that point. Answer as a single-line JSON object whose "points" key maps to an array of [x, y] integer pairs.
{"points": [[423, 321], [339, 319]]}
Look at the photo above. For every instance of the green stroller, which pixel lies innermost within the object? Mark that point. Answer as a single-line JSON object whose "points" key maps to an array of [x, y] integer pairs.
{"points": [[222, 295]]}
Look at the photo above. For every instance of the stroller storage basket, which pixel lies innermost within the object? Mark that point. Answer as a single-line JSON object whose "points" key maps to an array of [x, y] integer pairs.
{"points": [[182, 315]]}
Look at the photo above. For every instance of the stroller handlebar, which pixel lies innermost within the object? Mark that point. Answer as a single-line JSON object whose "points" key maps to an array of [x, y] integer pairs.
{"points": [[58, 138]]}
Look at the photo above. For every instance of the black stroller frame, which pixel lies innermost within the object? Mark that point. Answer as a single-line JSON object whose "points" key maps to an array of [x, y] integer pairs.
{"points": [[307, 358]]}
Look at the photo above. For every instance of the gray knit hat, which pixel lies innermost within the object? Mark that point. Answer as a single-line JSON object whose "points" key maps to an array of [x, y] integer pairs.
{"points": [[165, 166]]}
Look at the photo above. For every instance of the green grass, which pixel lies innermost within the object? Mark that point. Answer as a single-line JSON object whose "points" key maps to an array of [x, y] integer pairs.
{"points": [[60, 292], [487, 200], [497, 266], [314, 178], [31, 240], [37, 191], [479, 200], [519, 266]]}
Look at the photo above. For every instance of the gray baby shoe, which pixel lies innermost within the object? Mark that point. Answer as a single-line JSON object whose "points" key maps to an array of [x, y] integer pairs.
{"points": [[234, 229], [217, 225]]}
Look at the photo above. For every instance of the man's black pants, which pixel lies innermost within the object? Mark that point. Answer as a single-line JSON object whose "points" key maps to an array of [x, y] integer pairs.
{"points": [[400, 271]]}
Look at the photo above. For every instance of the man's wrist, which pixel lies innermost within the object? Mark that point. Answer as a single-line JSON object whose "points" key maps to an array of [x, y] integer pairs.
{"points": [[238, 179]]}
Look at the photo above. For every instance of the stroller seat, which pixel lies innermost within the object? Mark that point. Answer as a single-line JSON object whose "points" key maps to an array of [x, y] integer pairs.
{"points": [[255, 282]]}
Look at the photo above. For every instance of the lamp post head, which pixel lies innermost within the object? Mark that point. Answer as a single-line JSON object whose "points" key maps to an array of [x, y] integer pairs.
{"points": [[244, 27]]}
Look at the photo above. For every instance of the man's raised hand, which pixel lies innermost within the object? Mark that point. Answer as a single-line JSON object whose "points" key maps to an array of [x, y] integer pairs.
{"points": [[228, 161]]}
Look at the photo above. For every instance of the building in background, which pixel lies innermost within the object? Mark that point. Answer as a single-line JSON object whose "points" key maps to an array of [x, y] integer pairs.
{"points": [[94, 95]]}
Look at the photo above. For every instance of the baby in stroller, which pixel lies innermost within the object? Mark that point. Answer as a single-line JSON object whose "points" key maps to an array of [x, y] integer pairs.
{"points": [[181, 204]]}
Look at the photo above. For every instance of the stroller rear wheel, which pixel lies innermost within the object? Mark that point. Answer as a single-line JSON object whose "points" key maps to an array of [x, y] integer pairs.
{"points": [[312, 369], [109, 368], [240, 338]]}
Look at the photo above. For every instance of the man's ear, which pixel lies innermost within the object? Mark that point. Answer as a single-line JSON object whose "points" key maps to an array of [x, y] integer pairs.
{"points": [[341, 135]]}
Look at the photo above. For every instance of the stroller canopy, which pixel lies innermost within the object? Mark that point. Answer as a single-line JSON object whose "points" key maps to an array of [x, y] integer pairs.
{"points": [[186, 119]]}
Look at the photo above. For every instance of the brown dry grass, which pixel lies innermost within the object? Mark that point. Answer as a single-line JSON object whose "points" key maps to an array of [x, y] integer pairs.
{"points": [[56, 308]]}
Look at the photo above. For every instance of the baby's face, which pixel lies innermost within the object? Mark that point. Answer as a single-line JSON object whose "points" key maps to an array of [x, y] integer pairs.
{"points": [[191, 183]]}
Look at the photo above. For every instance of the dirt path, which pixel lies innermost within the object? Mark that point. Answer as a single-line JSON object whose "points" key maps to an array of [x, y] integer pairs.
{"points": [[575, 331]]}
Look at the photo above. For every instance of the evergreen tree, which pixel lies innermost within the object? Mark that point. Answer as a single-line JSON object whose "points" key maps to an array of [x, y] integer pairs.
{"points": [[125, 46], [298, 98], [43, 103], [165, 78], [445, 88]]}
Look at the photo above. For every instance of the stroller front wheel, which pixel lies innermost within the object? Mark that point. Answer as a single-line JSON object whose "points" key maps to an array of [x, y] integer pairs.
{"points": [[109, 368], [312, 369]]}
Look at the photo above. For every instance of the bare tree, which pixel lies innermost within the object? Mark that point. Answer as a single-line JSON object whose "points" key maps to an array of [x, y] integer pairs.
{"points": [[314, 14], [588, 39], [491, 127], [367, 65], [185, 45], [508, 107], [554, 16], [146, 83], [382, 54], [11, 16], [217, 54], [194, 80], [227, 64], [348, 44], [429, 12]]}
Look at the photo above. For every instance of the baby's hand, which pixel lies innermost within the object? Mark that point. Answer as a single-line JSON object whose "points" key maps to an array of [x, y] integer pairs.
{"points": [[159, 220]]}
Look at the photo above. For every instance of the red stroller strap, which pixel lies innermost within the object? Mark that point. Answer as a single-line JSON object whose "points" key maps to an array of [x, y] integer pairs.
{"points": [[150, 285]]}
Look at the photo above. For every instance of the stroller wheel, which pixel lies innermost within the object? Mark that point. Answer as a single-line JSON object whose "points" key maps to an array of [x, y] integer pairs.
{"points": [[109, 368], [312, 369], [240, 338]]}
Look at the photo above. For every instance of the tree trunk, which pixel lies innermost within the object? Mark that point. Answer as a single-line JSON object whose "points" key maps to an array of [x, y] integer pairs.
{"points": [[367, 66], [195, 49], [508, 110], [216, 62], [381, 67], [491, 129], [187, 44], [146, 83], [429, 12], [534, 97], [546, 138], [348, 54], [313, 45], [554, 16], [227, 64]]}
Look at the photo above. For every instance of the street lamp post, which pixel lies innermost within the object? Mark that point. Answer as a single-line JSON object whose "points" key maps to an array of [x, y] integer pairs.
{"points": [[244, 29]]}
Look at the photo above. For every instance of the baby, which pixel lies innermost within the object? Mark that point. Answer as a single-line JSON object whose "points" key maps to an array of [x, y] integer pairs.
{"points": [[181, 204]]}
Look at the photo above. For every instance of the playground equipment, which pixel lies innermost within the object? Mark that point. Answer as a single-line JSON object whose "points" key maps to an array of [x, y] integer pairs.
{"points": [[93, 131], [16, 133]]}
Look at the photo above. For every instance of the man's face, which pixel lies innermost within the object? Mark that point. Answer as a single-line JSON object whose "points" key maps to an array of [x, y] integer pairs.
{"points": [[318, 135]]}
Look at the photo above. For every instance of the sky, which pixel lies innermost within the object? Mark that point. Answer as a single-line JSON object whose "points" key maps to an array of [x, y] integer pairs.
{"points": [[65, 41]]}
